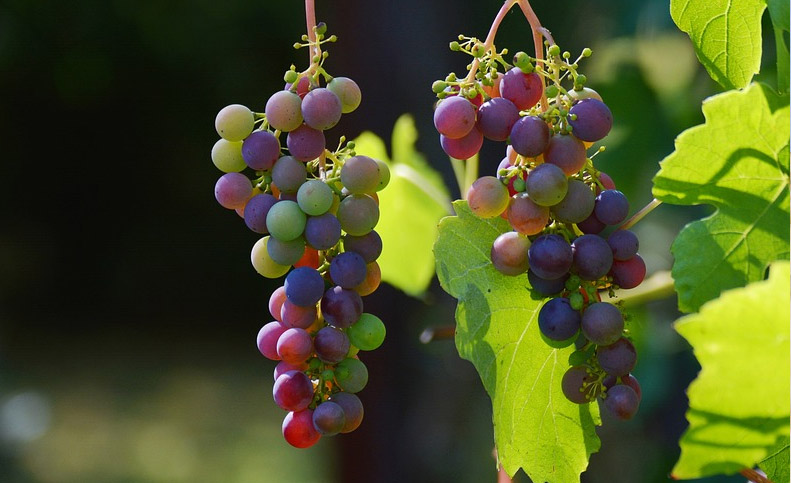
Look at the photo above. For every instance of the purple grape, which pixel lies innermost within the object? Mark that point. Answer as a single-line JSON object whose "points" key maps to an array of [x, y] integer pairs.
{"points": [[283, 111], [529, 136], [602, 323], [368, 246], [360, 175], [593, 122], [293, 391], [624, 244], [267, 339], [496, 117], [298, 430], [550, 256], [524, 90], [358, 214], [304, 286], [628, 380], [566, 152], [260, 150], [618, 358], [509, 253], [462, 148], [328, 418], [341, 307], [294, 345], [331, 345], [276, 301], [282, 367], [321, 109], [577, 205], [288, 174], [612, 207], [622, 401], [305, 143], [323, 232], [352, 410], [546, 287], [454, 117], [348, 270], [546, 185], [628, 273], [233, 190], [591, 225], [296, 316], [592, 257], [255, 212], [577, 387], [557, 320]]}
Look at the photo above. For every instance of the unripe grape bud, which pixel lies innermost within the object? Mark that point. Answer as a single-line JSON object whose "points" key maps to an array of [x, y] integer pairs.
{"points": [[552, 91], [321, 28], [566, 54], [553, 50], [454, 46], [580, 81], [438, 86], [586, 52], [576, 301], [478, 50], [521, 59], [290, 76]]}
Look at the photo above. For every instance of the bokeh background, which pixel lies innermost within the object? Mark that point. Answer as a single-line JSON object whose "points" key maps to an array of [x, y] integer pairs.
{"points": [[128, 308]]}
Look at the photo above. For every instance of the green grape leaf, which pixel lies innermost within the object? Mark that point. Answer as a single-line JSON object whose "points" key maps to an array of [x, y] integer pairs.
{"points": [[776, 465], [779, 11], [738, 162], [739, 403], [726, 35], [410, 208], [535, 426]]}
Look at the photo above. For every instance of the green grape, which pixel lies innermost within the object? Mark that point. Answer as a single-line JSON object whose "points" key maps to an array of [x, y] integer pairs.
{"points": [[314, 197], [263, 263], [358, 214], [286, 252], [367, 333], [384, 175], [352, 375], [285, 221], [347, 91], [234, 122], [227, 156]]}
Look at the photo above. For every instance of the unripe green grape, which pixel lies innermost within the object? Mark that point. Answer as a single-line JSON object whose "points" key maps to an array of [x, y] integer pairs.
{"points": [[438, 86], [367, 333], [553, 50], [384, 175], [290, 76], [521, 59], [352, 375], [488, 197], [576, 301], [284, 111], [552, 91], [227, 156], [285, 252], [581, 79], [263, 263], [314, 197], [358, 214], [454, 46], [234, 122], [347, 91], [285, 221]]}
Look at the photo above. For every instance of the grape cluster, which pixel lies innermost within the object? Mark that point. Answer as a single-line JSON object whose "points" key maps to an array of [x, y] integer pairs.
{"points": [[317, 210], [557, 203]]}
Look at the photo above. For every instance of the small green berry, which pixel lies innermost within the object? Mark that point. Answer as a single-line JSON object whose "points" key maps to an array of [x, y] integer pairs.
{"points": [[454, 46], [328, 375], [586, 52], [552, 91], [519, 184], [451, 77], [573, 283], [581, 79], [553, 50], [321, 28], [438, 86], [290, 76], [566, 54], [576, 301], [478, 50]]}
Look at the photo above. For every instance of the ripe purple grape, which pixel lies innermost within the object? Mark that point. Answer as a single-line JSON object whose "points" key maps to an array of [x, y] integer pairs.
{"points": [[546, 287], [304, 286], [305, 143], [530, 136], [352, 410], [348, 270], [464, 147], [618, 358], [622, 401], [624, 244], [557, 320], [267, 339], [592, 257], [341, 307], [328, 418], [331, 345], [546, 185], [282, 367], [591, 225], [323, 232], [360, 175], [288, 174], [577, 205], [628, 273], [233, 190], [276, 301], [454, 117], [294, 345], [283, 111], [593, 122], [612, 207], [525, 216], [487, 197], [566, 152], [260, 150], [496, 117], [298, 429], [550, 256], [293, 391], [602, 323], [509, 253], [524, 90], [296, 316], [358, 214], [368, 246], [321, 109], [255, 212], [577, 385]]}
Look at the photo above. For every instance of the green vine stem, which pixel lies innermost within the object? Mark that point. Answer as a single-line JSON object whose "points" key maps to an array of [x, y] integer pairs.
{"points": [[640, 214], [656, 287]]}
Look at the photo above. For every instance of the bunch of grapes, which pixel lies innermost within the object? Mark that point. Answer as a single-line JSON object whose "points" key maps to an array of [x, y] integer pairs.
{"points": [[558, 204], [317, 210]]}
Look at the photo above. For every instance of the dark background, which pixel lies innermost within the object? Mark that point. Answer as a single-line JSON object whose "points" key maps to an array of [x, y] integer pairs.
{"points": [[128, 307]]}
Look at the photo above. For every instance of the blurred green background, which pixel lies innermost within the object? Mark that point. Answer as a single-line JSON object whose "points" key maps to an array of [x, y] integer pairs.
{"points": [[128, 308]]}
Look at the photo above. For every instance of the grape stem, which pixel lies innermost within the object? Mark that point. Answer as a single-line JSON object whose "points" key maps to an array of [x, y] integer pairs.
{"points": [[489, 42], [538, 33], [640, 214], [754, 476], [315, 50]]}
